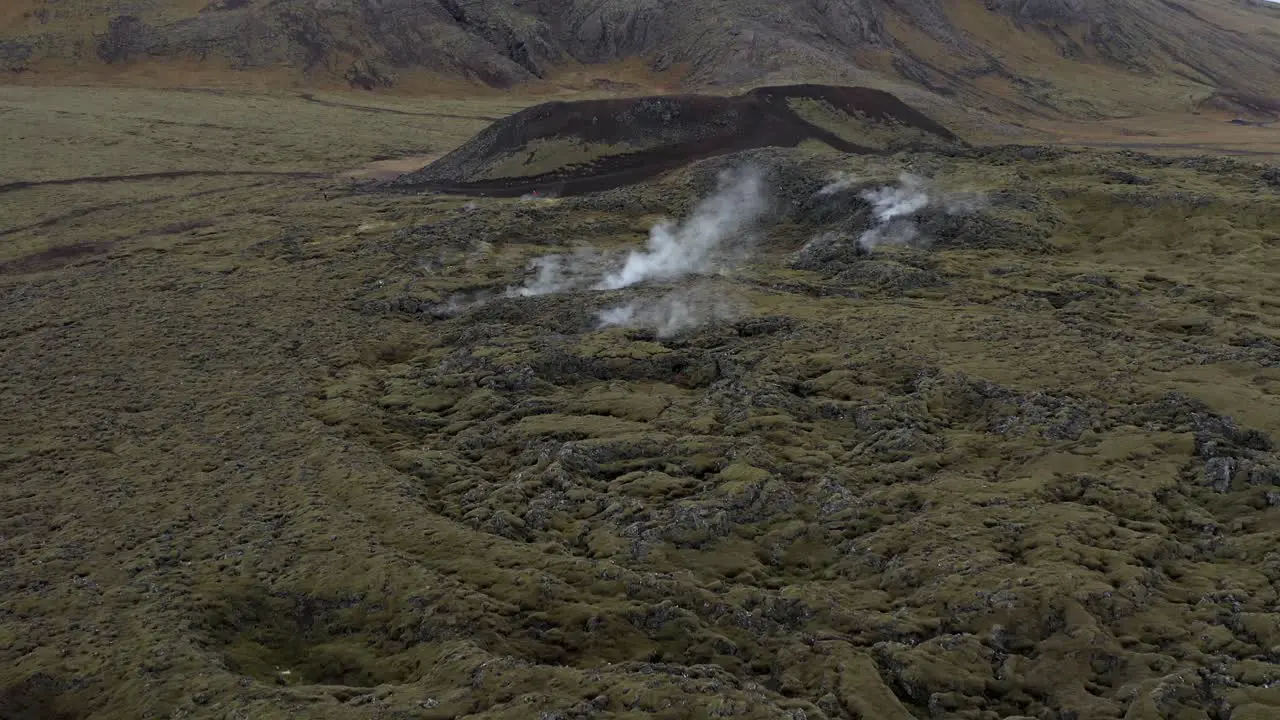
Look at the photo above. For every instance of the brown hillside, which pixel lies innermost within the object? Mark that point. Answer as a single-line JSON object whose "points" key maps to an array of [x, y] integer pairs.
{"points": [[1041, 57]]}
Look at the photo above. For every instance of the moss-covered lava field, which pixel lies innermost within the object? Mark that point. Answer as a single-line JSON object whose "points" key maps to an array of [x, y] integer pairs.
{"points": [[977, 433]]}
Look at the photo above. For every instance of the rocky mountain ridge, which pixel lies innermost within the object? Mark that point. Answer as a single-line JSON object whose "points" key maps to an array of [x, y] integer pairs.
{"points": [[1076, 57]]}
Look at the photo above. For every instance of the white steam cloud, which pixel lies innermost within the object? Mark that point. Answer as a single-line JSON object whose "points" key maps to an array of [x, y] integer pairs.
{"points": [[715, 235], [700, 244], [672, 313], [710, 240], [579, 270], [695, 246], [841, 181], [894, 208]]}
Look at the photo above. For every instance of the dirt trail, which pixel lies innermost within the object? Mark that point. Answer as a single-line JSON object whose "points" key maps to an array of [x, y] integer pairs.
{"points": [[1208, 148], [161, 175], [392, 111], [390, 168]]}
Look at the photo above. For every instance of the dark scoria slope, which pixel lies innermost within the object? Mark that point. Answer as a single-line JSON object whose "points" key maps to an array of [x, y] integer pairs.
{"points": [[1038, 56], [571, 147]]}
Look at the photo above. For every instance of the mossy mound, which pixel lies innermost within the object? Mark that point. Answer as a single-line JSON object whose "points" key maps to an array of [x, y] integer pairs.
{"points": [[574, 147]]}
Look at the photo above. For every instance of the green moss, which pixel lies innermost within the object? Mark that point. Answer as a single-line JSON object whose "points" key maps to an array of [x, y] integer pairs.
{"points": [[740, 474], [578, 426], [609, 344], [648, 484], [637, 406]]}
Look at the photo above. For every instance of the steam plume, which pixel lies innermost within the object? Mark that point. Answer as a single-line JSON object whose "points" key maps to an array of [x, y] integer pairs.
{"points": [[841, 181], [704, 242], [561, 273], [894, 209], [670, 314], [674, 251]]}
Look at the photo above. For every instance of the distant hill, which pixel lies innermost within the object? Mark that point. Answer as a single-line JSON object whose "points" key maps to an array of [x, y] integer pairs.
{"points": [[570, 147], [1074, 57]]}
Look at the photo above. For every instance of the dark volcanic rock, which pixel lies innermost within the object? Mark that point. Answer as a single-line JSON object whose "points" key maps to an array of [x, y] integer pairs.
{"points": [[126, 37], [14, 55], [615, 142], [1126, 178], [368, 75], [1043, 11]]}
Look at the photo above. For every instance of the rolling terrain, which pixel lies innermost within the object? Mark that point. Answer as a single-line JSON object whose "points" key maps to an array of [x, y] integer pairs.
{"points": [[803, 360], [964, 432]]}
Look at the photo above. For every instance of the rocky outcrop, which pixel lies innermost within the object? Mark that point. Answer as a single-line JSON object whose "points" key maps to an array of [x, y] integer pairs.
{"points": [[1043, 11], [14, 55]]}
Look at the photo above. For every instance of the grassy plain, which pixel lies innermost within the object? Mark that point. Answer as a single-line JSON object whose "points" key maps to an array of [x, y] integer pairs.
{"points": [[248, 475]]}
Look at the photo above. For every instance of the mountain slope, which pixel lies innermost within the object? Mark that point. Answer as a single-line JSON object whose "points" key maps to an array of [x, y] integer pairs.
{"points": [[1081, 57]]}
